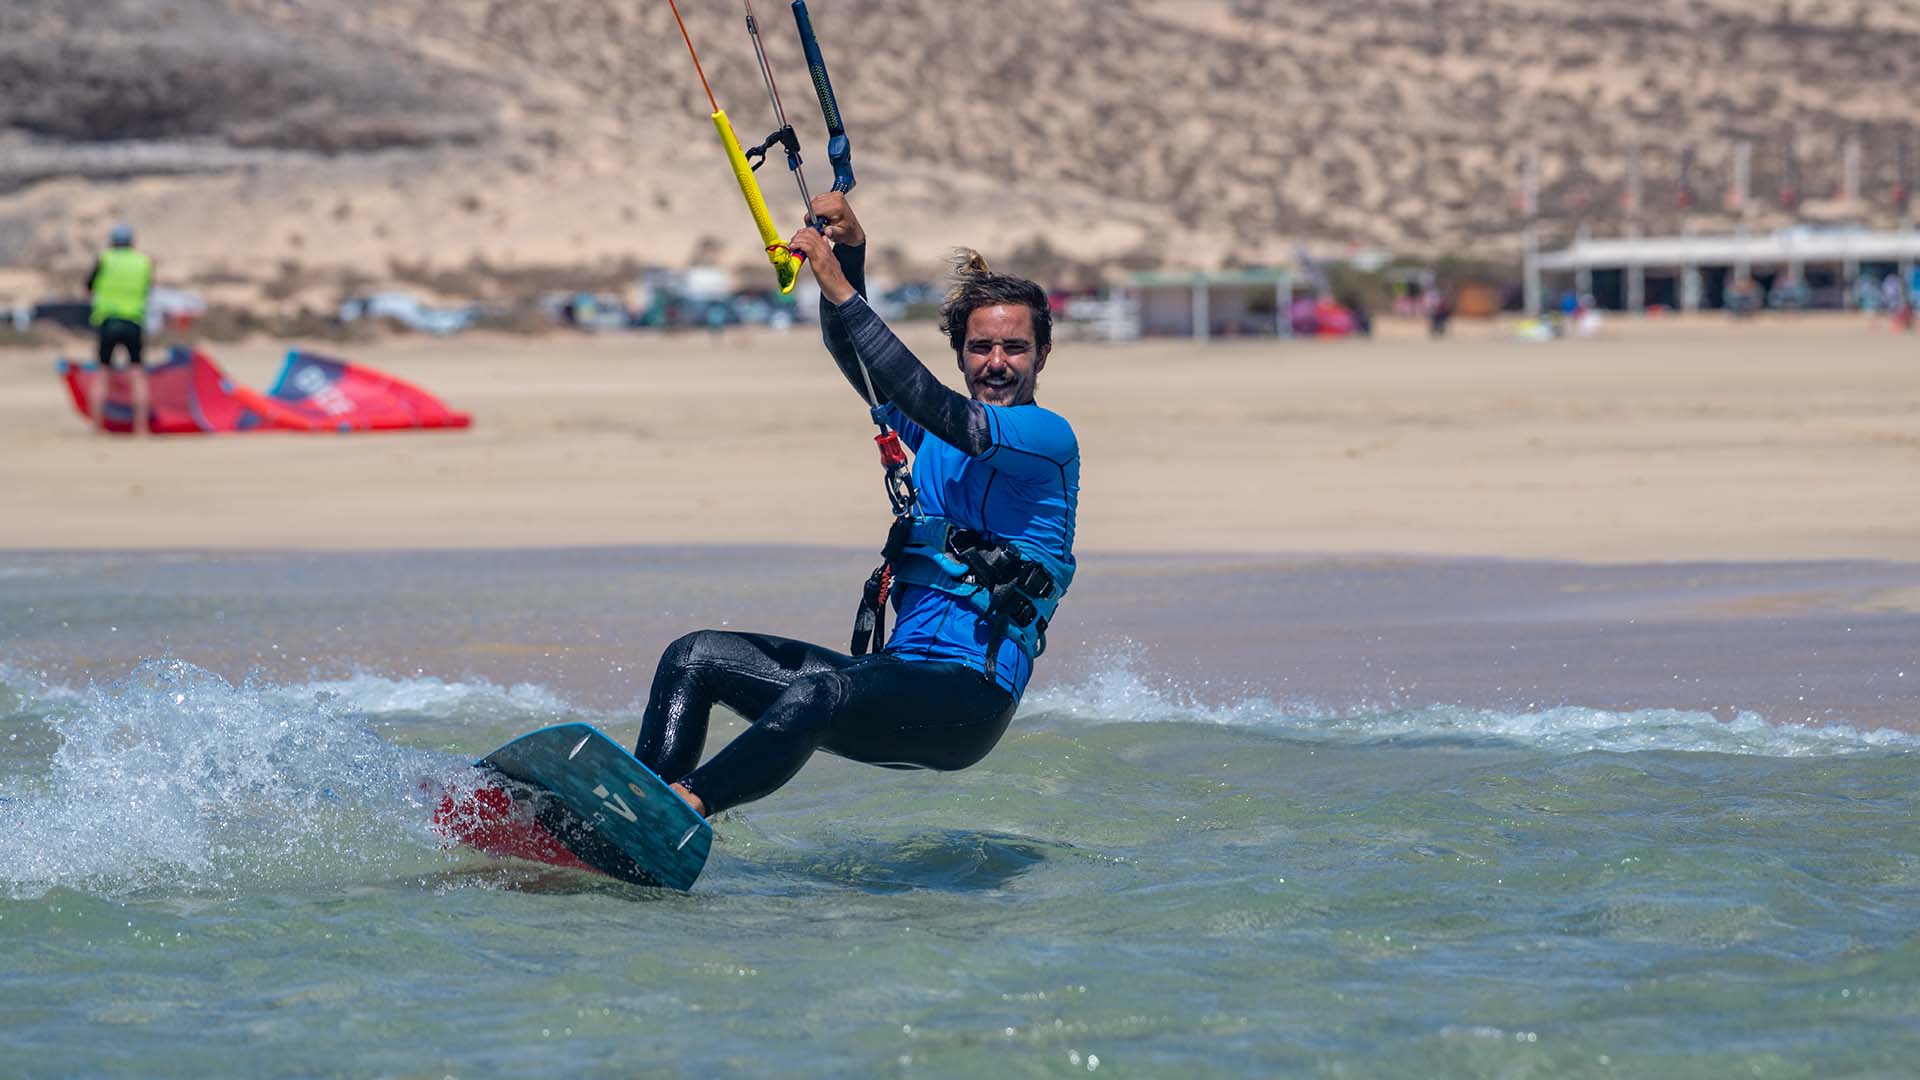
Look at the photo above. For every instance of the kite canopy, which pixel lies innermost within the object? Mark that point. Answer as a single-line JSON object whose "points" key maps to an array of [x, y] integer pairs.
{"points": [[187, 395], [341, 396], [190, 395]]}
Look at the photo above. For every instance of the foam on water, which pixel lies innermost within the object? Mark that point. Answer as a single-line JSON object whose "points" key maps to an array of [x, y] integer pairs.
{"points": [[425, 696], [175, 777], [10, 570], [1119, 694], [21, 691]]}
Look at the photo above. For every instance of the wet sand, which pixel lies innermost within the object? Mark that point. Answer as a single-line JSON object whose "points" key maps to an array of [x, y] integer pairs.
{"points": [[1658, 442], [1796, 643]]}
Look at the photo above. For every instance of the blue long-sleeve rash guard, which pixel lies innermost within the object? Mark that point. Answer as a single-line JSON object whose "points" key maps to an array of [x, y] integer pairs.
{"points": [[1010, 471]]}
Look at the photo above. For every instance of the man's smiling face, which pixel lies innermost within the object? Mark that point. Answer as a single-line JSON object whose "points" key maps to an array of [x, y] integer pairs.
{"points": [[999, 360]]}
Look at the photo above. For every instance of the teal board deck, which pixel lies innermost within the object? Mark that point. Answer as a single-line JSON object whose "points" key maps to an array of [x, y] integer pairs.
{"points": [[606, 807]]}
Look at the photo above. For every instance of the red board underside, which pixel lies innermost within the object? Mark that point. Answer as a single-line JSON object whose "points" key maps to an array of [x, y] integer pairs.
{"points": [[487, 819]]}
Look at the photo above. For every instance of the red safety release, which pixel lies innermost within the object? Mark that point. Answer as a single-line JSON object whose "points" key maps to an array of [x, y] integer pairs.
{"points": [[892, 454]]}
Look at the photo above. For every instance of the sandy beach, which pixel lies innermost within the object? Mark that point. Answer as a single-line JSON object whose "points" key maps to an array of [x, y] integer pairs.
{"points": [[1659, 441]]}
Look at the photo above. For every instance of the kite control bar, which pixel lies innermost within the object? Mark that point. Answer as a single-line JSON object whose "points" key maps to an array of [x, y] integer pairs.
{"points": [[783, 136], [747, 161], [786, 266], [839, 148]]}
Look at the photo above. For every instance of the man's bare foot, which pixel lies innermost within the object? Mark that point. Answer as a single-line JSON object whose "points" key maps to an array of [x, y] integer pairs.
{"points": [[699, 807]]}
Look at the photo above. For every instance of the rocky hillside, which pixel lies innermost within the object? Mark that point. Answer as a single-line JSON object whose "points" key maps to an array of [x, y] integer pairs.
{"points": [[299, 148]]}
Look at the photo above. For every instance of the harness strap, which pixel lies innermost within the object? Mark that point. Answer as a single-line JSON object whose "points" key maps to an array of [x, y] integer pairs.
{"points": [[996, 633], [870, 621], [1013, 594]]}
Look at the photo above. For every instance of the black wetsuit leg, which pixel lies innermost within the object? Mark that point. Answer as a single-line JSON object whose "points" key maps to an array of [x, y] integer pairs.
{"points": [[878, 709]]}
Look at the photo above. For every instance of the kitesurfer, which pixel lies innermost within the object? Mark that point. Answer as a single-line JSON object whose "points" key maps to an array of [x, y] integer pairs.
{"points": [[977, 569], [119, 284]]}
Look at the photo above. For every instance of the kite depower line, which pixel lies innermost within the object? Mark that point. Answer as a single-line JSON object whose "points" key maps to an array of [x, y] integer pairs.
{"points": [[901, 492], [893, 457], [747, 161]]}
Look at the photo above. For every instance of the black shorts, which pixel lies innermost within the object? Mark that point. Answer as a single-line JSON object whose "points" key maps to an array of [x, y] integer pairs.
{"points": [[121, 334]]}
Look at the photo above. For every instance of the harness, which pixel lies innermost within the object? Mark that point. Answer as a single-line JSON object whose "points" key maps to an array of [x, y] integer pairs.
{"points": [[1015, 594]]}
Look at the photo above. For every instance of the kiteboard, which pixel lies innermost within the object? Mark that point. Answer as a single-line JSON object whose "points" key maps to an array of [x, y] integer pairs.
{"points": [[569, 796]]}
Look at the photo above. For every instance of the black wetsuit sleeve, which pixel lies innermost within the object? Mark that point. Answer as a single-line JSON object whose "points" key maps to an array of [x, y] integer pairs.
{"points": [[853, 263], [900, 378], [93, 275]]}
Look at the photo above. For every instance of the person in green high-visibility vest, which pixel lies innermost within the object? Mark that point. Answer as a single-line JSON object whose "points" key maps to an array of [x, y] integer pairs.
{"points": [[119, 285]]}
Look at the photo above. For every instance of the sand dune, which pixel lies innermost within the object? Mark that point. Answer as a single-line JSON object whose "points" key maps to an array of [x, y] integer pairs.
{"points": [[348, 139]]}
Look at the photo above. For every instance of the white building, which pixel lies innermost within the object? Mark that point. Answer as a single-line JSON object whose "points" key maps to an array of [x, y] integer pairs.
{"points": [[1210, 304], [1691, 272]]}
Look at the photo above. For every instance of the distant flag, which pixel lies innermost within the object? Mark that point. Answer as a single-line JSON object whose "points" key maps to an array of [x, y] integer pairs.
{"points": [[1529, 203], [1901, 178], [1789, 176], [1683, 195], [1736, 178], [1310, 267], [1630, 198], [1742, 175]]}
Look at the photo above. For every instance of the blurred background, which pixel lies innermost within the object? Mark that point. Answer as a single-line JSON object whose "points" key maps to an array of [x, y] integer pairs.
{"points": [[296, 168]]}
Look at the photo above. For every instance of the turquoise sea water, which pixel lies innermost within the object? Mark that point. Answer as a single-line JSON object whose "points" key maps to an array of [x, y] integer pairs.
{"points": [[206, 872]]}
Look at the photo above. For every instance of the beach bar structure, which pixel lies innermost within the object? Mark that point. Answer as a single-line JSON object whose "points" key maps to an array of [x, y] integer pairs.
{"points": [[1209, 304], [1693, 272]]}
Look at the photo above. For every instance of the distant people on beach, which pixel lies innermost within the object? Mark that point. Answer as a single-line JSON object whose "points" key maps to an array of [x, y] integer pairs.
{"points": [[1362, 316], [1790, 293], [1438, 307], [1743, 298], [1895, 301], [1866, 294], [121, 279], [1574, 314]]}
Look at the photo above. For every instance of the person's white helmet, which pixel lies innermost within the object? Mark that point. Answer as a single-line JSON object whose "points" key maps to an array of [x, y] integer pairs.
{"points": [[121, 236]]}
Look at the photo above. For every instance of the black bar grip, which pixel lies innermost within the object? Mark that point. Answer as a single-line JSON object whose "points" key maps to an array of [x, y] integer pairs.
{"points": [[839, 148]]}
